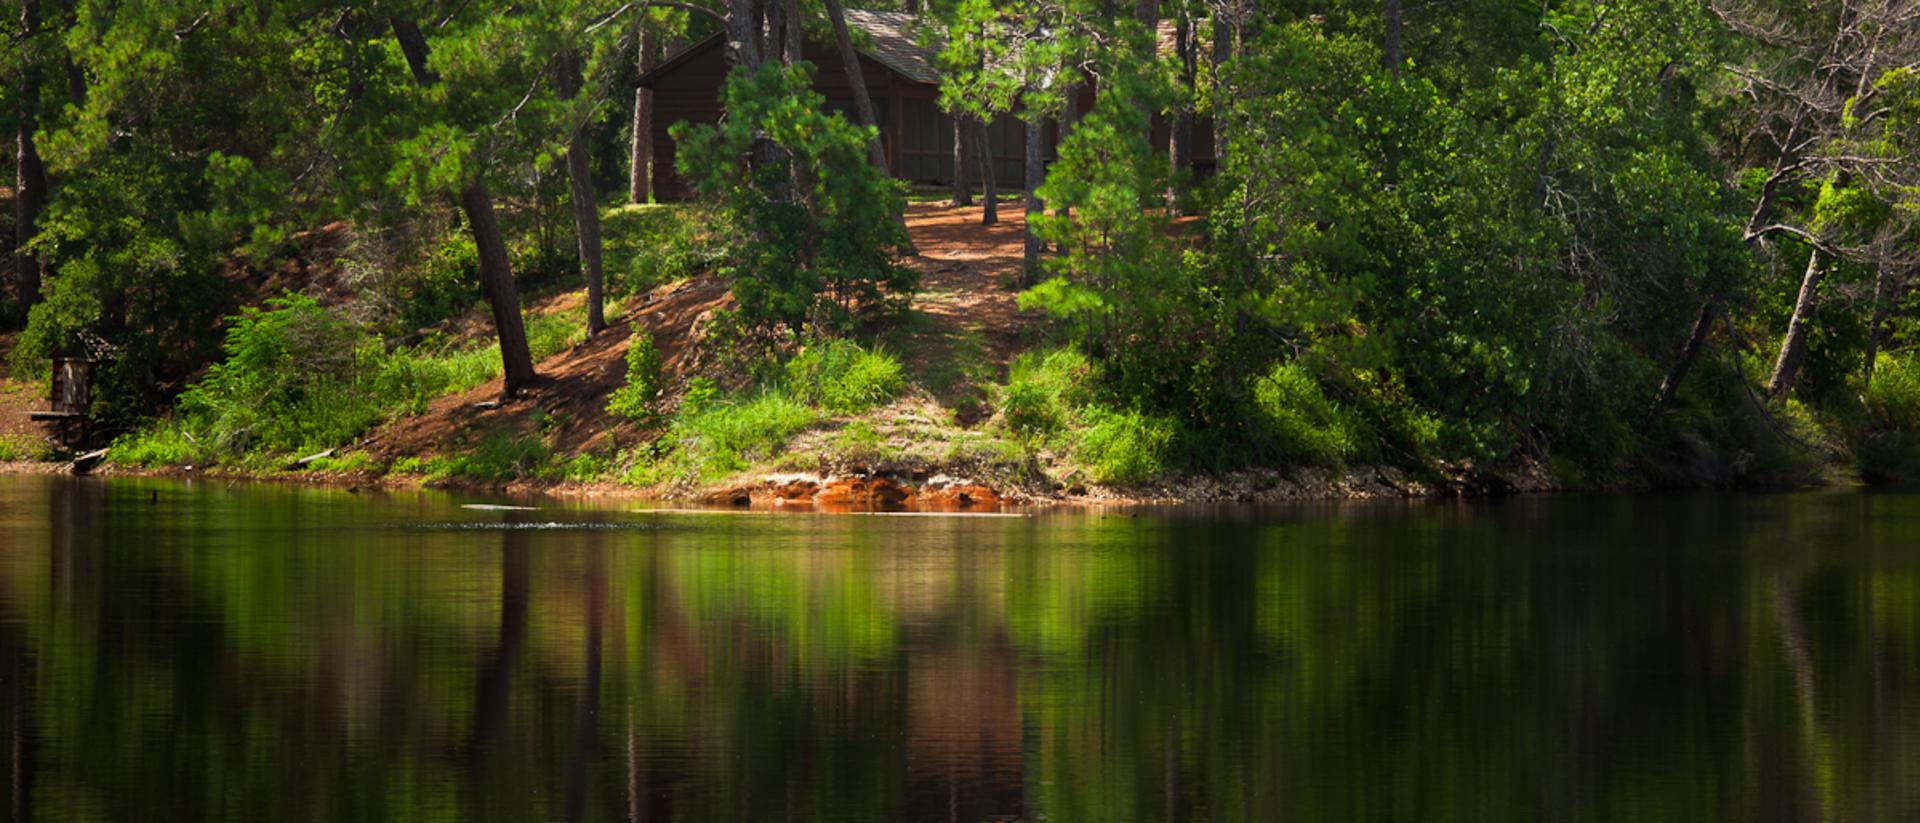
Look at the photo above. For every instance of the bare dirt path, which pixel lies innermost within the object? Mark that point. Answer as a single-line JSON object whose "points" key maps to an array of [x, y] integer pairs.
{"points": [[966, 323]]}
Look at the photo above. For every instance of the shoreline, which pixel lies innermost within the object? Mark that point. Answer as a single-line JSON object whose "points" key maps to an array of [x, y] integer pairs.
{"points": [[902, 491]]}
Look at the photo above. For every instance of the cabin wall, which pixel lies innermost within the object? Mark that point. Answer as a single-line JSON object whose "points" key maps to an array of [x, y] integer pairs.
{"points": [[690, 92], [916, 134]]}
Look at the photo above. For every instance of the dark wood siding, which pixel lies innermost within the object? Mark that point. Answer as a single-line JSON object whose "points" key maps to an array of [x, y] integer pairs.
{"points": [[917, 135]]}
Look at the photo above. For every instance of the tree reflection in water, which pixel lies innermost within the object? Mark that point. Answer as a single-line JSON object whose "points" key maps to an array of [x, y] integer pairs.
{"points": [[179, 652]]}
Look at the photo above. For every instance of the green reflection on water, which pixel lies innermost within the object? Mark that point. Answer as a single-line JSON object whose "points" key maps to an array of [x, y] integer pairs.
{"points": [[176, 652]]}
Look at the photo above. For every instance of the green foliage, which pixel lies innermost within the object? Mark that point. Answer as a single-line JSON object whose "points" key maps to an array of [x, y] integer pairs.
{"points": [[298, 377], [295, 377], [1302, 423], [637, 400], [1124, 446], [713, 436], [659, 244], [499, 457], [166, 443], [1043, 392], [1893, 398], [810, 223], [841, 377], [22, 448]]}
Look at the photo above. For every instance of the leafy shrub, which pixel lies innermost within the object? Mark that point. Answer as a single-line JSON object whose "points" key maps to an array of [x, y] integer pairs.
{"points": [[499, 457], [166, 443], [635, 400], [19, 448], [1042, 391], [713, 435], [811, 226], [1893, 398], [1300, 421], [1124, 446], [445, 284], [841, 377], [296, 376], [660, 244]]}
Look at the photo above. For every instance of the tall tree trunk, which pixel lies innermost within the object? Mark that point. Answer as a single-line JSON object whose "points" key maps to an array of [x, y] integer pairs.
{"points": [[774, 33], [743, 36], [496, 281], [1036, 173], [796, 40], [1390, 49], [586, 224], [585, 201], [990, 207], [1147, 12], [1180, 124], [857, 79], [1793, 348], [962, 188], [1222, 53], [1069, 117], [30, 175], [640, 174], [496, 272], [29, 196]]}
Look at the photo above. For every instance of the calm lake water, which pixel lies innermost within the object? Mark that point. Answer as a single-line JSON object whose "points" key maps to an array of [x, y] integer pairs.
{"points": [[202, 652]]}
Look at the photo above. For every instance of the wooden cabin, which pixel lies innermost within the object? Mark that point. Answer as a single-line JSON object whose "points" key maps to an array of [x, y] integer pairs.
{"points": [[902, 78]]}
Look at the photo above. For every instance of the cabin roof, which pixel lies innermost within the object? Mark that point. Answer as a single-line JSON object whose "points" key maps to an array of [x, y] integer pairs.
{"points": [[890, 41], [893, 44]]}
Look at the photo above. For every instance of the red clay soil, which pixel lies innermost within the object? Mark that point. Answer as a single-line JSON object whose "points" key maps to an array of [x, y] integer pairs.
{"points": [[969, 273], [572, 388], [965, 272]]}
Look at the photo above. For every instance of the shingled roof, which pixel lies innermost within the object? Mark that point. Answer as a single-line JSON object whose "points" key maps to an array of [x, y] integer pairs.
{"points": [[889, 39]]}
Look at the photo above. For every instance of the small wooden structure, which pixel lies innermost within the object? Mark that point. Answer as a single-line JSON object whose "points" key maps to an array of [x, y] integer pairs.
{"points": [[70, 397]]}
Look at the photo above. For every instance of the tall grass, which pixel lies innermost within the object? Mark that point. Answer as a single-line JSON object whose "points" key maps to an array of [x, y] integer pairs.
{"points": [[298, 377]]}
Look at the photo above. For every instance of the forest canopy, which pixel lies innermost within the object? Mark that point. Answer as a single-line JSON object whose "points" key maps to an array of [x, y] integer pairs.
{"points": [[1665, 237]]}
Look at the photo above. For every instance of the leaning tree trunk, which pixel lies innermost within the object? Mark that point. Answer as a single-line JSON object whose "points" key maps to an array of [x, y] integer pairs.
{"points": [[862, 103], [640, 174], [1793, 349], [496, 281], [1886, 293], [962, 188], [1036, 174], [585, 201], [990, 208], [496, 272], [1683, 362]]}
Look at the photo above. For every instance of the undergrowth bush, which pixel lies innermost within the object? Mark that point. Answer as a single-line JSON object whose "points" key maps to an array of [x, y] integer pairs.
{"points": [[1127, 446], [841, 377], [637, 400], [1300, 422], [659, 244], [713, 435], [298, 377]]}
